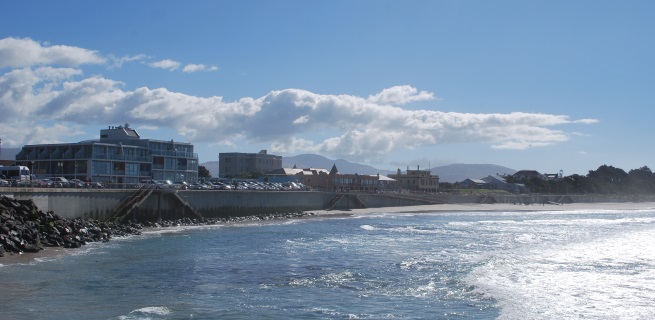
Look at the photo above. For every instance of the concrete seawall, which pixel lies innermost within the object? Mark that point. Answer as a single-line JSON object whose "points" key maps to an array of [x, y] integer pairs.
{"points": [[71, 203], [99, 203]]}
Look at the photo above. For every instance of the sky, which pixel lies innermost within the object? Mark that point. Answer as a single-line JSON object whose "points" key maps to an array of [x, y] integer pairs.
{"points": [[534, 85]]}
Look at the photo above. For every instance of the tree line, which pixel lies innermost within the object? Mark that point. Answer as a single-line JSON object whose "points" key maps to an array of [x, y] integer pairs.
{"points": [[604, 180]]}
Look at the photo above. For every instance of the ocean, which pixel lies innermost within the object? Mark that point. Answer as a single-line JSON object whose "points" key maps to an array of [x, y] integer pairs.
{"points": [[595, 264]]}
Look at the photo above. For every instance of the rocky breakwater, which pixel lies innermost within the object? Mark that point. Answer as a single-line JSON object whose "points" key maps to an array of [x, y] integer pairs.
{"points": [[210, 221], [25, 228]]}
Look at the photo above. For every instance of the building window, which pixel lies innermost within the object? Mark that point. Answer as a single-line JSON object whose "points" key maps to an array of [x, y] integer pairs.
{"points": [[101, 167]]}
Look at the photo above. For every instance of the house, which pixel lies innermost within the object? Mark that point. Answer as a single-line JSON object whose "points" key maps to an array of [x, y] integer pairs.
{"points": [[524, 175], [554, 176], [416, 180], [293, 174], [474, 184], [498, 182]]}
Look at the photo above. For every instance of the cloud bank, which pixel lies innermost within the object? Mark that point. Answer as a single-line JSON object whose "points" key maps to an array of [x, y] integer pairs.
{"points": [[42, 86]]}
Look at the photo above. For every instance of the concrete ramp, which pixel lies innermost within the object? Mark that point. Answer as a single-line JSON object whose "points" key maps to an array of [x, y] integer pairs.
{"points": [[186, 206], [123, 209]]}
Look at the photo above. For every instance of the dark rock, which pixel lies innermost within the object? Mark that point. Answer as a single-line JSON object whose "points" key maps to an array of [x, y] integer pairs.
{"points": [[24, 228]]}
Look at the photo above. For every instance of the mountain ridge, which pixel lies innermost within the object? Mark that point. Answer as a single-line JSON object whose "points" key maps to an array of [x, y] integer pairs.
{"points": [[303, 161]]}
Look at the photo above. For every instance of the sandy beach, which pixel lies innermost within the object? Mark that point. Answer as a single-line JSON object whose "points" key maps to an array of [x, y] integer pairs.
{"points": [[500, 207]]}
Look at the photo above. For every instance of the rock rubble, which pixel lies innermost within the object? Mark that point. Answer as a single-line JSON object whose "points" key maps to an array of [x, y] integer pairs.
{"points": [[25, 228]]}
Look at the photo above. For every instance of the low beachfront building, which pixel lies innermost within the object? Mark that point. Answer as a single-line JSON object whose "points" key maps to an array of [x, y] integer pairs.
{"points": [[322, 179], [119, 156], [234, 164], [498, 182], [293, 174], [474, 184], [525, 175], [416, 180]]}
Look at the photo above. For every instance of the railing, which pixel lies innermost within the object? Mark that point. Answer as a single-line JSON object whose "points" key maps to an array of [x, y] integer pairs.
{"points": [[174, 153], [104, 156]]}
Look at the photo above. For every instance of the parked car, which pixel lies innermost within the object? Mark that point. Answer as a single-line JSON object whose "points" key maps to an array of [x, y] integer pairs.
{"points": [[77, 183], [199, 186], [158, 184], [221, 186], [96, 185], [59, 182], [180, 185]]}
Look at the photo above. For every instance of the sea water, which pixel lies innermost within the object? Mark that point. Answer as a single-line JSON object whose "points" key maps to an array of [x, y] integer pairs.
{"points": [[441, 265]]}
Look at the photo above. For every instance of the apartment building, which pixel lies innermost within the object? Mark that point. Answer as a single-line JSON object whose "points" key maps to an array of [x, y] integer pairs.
{"points": [[119, 156]]}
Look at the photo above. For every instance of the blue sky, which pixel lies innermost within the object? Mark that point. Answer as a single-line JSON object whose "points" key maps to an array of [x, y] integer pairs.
{"points": [[543, 85]]}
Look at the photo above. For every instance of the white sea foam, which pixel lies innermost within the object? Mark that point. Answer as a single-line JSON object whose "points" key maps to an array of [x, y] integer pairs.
{"points": [[146, 313], [421, 263], [607, 275], [423, 290], [162, 311], [405, 229], [369, 227]]}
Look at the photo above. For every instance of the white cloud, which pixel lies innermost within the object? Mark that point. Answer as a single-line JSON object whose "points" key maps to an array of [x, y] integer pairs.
{"points": [[301, 120], [20, 53], [400, 95], [167, 64], [117, 62], [291, 120], [37, 134], [587, 121], [198, 67], [148, 128]]}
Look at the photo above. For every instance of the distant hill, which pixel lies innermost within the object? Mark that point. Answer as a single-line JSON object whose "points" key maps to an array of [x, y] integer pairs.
{"points": [[316, 161], [212, 166], [460, 171]]}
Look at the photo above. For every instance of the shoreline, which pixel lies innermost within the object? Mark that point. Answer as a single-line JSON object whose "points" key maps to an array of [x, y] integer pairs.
{"points": [[59, 252], [458, 207]]}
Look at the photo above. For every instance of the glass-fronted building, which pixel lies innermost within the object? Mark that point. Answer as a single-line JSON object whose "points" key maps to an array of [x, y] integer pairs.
{"points": [[119, 156]]}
